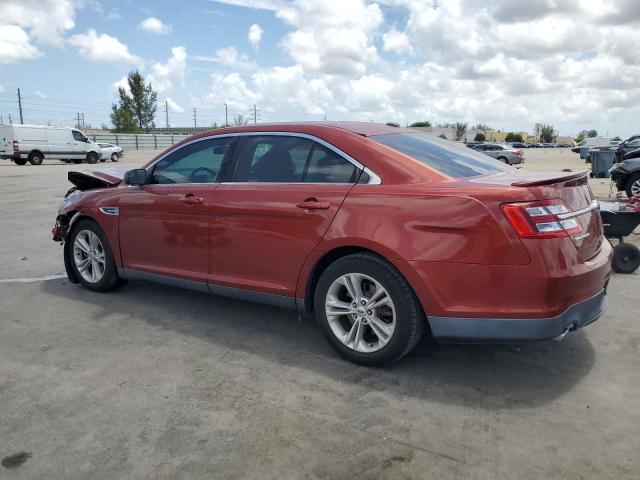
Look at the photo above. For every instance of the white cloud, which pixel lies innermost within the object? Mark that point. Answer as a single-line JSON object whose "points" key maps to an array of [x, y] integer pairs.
{"points": [[2, 89], [102, 47], [397, 42], [232, 90], [154, 25], [15, 46], [39, 94], [46, 21], [173, 106], [122, 83], [229, 57], [255, 35], [163, 75]]}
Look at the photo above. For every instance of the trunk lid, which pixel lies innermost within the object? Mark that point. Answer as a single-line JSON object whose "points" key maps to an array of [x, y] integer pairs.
{"points": [[98, 178], [570, 187]]}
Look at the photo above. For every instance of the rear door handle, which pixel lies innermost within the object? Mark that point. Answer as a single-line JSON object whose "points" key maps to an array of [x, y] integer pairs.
{"points": [[313, 204], [191, 199]]}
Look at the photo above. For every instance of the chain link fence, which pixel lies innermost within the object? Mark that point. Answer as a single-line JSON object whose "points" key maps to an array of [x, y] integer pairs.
{"points": [[142, 141]]}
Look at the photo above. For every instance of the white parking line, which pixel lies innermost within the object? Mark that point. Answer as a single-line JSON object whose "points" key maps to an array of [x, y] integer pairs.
{"points": [[33, 280]]}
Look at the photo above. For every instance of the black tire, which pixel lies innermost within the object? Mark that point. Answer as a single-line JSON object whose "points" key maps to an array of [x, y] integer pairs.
{"points": [[77, 161], [20, 161], [102, 160], [114, 157], [35, 158], [110, 279], [504, 160], [626, 258], [635, 179], [410, 319], [92, 157]]}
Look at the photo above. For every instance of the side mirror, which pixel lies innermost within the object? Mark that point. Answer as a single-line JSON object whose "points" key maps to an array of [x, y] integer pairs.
{"points": [[137, 176]]}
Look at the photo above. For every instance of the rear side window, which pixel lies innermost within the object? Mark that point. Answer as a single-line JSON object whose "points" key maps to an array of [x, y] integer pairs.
{"points": [[326, 166], [441, 155], [291, 159]]}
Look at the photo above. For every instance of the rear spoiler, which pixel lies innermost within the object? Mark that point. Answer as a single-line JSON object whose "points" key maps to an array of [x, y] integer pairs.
{"points": [[577, 178]]}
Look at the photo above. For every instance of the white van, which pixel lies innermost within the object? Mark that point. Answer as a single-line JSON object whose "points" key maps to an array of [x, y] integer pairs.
{"points": [[594, 142], [34, 143]]}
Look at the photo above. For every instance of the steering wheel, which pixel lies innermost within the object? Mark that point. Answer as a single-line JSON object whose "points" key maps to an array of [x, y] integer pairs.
{"points": [[207, 171]]}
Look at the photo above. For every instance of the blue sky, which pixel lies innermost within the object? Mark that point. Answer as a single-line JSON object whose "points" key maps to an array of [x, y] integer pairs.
{"points": [[508, 63]]}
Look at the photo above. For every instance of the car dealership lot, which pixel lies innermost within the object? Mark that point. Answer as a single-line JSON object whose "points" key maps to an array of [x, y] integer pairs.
{"points": [[156, 382]]}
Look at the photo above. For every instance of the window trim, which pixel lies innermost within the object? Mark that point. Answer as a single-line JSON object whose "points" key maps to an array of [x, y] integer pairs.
{"points": [[374, 179]]}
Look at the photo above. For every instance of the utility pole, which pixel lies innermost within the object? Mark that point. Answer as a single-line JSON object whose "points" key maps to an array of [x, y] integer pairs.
{"points": [[255, 114], [83, 120], [10, 122], [20, 105], [195, 118], [78, 123], [226, 115], [166, 112]]}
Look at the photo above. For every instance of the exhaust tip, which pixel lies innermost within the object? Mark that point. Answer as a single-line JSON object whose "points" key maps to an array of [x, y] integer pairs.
{"points": [[569, 328]]}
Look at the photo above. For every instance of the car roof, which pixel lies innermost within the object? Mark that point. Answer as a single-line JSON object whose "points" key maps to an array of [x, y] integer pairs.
{"points": [[365, 129]]}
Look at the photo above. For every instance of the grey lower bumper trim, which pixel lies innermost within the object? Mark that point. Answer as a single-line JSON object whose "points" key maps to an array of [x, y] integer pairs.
{"points": [[519, 329]]}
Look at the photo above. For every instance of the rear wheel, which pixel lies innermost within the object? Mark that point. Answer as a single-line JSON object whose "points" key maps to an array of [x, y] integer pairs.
{"points": [[91, 258], [35, 158], [503, 159], [633, 185], [367, 310], [626, 258], [92, 157], [20, 161]]}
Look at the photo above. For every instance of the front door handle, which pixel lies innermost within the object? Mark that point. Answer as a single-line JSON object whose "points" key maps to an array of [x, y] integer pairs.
{"points": [[191, 199], [313, 204]]}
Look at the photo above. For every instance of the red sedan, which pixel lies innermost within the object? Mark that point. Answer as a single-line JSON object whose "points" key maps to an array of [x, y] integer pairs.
{"points": [[379, 232]]}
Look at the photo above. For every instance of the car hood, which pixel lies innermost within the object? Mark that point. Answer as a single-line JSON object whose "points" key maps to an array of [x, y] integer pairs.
{"points": [[97, 178]]}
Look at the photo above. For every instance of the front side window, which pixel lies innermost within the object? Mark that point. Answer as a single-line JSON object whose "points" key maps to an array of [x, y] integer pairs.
{"points": [[441, 155], [79, 137], [291, 159], [198, 162]]}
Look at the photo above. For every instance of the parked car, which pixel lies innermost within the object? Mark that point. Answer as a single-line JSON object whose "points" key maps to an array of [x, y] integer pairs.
{"points": [[381, 233], [592, 142], [626, 174], [519, 145], [629, 145], [113, 152], [503, 153], [34, 143]]}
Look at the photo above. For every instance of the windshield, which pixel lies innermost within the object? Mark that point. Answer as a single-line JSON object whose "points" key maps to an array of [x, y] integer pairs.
{"points": [[442, 155]]}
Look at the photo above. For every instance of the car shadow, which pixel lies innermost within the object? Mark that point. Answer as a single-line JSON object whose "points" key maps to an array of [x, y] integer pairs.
{"points": [[490, 376]]}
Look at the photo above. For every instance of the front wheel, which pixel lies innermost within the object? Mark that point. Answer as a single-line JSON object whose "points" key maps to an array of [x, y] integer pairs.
{"points": [[91, 258], [114, 157], [35, 158], [367, 310], [633, 186]]}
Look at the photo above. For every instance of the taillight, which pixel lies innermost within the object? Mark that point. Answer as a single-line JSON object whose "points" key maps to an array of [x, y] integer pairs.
{"points": [[15, 146], [519, 153], [540, 219]]}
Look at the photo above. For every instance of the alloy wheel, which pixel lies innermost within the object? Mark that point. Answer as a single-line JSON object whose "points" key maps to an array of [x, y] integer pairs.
{"points": [[360, 312], [635, 188], [89, 256]]}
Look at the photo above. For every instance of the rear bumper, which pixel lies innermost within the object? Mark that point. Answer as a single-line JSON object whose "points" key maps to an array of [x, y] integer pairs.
{"points": [[519, 329]]}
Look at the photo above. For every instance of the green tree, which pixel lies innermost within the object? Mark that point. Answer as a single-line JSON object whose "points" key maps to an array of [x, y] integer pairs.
{"points": [[513, 137], [393, 124], [592, 133], [240, 120], [461, 130], [480, 137], [141, 101], [481, 126], [581, 136], [547, 133], [443, 136], [123, 119], [425, 123]]}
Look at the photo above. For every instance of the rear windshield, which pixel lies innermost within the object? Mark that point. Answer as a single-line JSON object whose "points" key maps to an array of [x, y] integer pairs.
{"points": [[442, 155]]}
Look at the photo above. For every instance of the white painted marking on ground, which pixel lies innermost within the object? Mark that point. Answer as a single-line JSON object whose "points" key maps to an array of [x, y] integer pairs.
{"points": [[33, 280]]}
